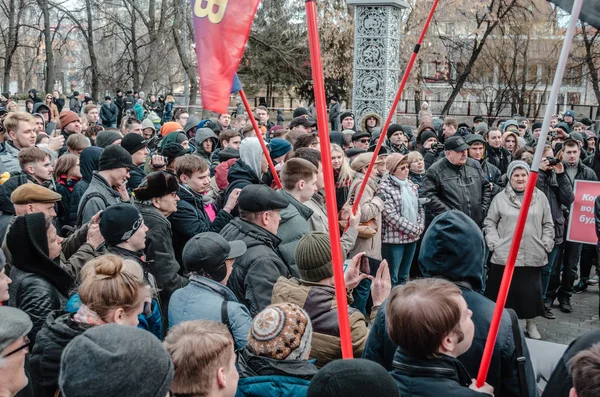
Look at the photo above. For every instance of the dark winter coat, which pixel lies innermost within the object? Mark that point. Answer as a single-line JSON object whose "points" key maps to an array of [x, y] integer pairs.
{"points": [[66, 213], [467, 272], [267, 377], [499, 157], [74, 104], [559, 192], [191, 219], [444, 376], [584, 173], [90, 207], [88, 164], [136, 176], [57, 332], [254, 274], [109, 113], [594, 161], [464, 188], [160, 254], [239, 176]]}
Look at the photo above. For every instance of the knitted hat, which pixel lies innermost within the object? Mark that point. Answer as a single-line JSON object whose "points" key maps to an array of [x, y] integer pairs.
{"points": [[106, 138], [425, 135], [282, 331], [481, 128], [300, 111], [393, 128], [156, 184], [115, 360], [173, 150], [509, 123], [393, 161], [279, 147], [133, 142], [113, 157], [67, 117], [33, 193], [349, 378], [313, 257], [169, 127], [536, 125], [516, 164], [589, 134], [346, 114], [119, 222], [361, 161], [14, 324], [564, 127]]}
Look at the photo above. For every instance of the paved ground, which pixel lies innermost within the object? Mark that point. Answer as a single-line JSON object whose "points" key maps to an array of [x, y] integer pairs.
{"points": [[568, 326]]}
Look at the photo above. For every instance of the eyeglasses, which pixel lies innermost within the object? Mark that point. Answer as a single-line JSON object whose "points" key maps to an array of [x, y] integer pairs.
{"points": [[25, 346], [403, 167], [366, 140]]}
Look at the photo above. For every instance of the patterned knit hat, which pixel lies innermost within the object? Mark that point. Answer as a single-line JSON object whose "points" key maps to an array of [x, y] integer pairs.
{"points": [[282, 332], [313, 257]]}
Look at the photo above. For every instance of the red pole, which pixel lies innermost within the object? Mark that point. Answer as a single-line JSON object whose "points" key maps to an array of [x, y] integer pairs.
{"points": [[334, 230], [392, 111], [260, 138]]}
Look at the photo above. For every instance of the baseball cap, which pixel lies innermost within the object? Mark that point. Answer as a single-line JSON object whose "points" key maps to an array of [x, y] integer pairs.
{"points": [[455, 143], [208, 251]]}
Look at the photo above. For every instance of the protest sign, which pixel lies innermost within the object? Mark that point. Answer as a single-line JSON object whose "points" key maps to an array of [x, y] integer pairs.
{"points": [[582, 228]]}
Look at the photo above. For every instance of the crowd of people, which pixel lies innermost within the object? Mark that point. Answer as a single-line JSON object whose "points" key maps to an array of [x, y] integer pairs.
{"points": [[148, 252]]}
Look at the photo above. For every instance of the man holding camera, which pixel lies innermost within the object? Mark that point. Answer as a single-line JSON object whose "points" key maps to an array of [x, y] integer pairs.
{"points": [[553, 181], [477, 152]]}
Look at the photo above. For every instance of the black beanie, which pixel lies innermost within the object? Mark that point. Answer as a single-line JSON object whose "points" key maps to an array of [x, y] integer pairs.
{"points": [[156, 184], [173, 150], [425, 135], [346, 114], [300, 111], [313, 257], [119, 222], [536, 125], [113, 157], [348, 378], [393, 129]]}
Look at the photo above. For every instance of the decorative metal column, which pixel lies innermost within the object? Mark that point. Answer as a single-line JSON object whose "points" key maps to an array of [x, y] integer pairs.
{"points": [[376, 55]]}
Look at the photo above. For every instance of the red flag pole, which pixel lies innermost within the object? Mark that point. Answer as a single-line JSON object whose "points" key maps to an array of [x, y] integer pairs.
{"points": [[332, 219], [535, 166], [260, 138], [390, 116]]}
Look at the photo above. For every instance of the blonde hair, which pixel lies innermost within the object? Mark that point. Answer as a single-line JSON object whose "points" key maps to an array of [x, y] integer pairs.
{"points": [[198, 349], [12, 120], [346, 173], [413, 156], [109, 282]]}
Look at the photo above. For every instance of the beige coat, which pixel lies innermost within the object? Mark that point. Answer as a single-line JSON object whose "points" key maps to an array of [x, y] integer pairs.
{"points": [[371, 207], [538, 235]]}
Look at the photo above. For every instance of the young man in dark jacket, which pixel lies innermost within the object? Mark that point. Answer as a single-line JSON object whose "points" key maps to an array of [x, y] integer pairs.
{"points": [[562, 287], [457, 182], [255, 274], [431, 323], [453, 233], [496, 154], [553, 181], [195, 204], [109, 112], [477, 152]]}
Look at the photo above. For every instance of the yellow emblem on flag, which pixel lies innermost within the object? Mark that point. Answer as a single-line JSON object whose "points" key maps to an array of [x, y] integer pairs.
{"points": [[213, 9]]}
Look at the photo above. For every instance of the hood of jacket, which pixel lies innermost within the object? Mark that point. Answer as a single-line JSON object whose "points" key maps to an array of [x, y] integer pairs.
{"points": [[213, 286], [241, 170], [444, 249], [251, 365], [203, 134], [251, 153], [363, 121], [186, 194], [221, 173], [16, 180], [40, 106], [252, 234], [90, 157]]}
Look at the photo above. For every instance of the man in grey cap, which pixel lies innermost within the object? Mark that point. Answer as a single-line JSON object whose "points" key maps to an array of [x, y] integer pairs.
{"points": [[14, 345], [457, 182], [209, 259], [255, 273]]}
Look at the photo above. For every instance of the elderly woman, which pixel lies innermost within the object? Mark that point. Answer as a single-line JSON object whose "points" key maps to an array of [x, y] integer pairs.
{"points": [[403, 220], [525, 294]]}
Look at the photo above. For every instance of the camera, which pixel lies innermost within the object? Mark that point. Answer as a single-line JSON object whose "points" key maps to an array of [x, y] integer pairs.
{"points": [[437, 147], [552, 161]]}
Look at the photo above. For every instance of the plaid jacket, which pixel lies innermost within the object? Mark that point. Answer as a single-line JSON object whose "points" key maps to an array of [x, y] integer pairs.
{"points": [[396, 228]]}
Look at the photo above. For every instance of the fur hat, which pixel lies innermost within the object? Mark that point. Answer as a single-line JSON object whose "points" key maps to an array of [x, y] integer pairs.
{"points": [[156, 184]]}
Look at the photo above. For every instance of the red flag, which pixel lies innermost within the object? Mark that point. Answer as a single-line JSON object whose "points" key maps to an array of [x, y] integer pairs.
{"points": [[221, 28]]}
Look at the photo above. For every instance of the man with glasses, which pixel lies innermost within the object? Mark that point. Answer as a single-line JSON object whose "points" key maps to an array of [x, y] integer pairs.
{"points": [[457, 182], [14, 345], [361, 140]]}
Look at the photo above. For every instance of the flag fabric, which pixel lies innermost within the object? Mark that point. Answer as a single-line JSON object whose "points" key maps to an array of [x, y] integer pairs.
{"points": [[590, 10], [221, 29], [237, 85]]}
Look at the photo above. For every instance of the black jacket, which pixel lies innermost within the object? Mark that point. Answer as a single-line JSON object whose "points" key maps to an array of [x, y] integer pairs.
{"points": [[493, 175], [88, 164], [464, 188], [254, 274], [52, 339], [240, 176], [594, 161], [191, 219], [559, 192], [66, 213], [584, 173], [499, 157], [444, 376], [109, 113], [159, 253], [429, 157]]}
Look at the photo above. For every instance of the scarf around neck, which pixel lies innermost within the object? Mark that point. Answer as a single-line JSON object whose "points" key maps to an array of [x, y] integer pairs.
{"points": [[410, 205]]}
